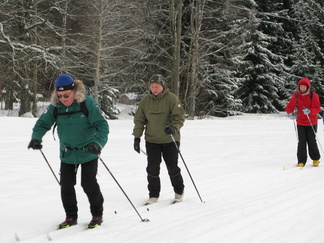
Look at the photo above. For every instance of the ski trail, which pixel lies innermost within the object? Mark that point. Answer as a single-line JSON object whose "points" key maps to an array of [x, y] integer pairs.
{"points": [[248, 228], [275, 204]]}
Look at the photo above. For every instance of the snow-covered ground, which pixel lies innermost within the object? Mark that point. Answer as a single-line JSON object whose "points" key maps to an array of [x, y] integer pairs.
{"points": [[244, 168]]}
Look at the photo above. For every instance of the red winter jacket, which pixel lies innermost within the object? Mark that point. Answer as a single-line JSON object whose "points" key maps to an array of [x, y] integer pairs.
{"points": [[309, 100]]}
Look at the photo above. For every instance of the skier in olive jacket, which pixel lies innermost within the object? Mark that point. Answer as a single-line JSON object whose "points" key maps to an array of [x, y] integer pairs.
{"points": [[160, 114], [83, 132], [308, 106]]}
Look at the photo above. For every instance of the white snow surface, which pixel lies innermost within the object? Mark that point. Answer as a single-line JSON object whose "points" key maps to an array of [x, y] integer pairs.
{"points": [[244, 168]]}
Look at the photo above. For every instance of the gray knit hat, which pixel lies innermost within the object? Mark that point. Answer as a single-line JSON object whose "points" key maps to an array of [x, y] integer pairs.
{"points": [[157, 78]]}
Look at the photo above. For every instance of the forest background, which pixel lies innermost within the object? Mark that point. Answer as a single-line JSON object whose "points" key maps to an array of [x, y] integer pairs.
{"points": [[221, 57]]}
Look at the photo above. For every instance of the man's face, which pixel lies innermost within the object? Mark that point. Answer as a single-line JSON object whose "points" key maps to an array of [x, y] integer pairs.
{"points": [[156, 88], [66, 97]]}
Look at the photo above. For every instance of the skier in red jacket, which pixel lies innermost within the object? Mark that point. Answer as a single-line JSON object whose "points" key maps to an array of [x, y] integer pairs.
{"points": [[304, 106]]}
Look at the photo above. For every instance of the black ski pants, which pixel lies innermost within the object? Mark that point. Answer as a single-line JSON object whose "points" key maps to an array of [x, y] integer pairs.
{"points": [[170, 155], [306, 137], [89, 184]]}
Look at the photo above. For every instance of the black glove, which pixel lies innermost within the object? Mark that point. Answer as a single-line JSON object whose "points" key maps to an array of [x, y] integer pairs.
{"points": [[94, 148], [137, 144], [169, 130], [35, 144]]}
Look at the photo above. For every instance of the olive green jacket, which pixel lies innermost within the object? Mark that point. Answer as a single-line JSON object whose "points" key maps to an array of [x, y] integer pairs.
{"points": [[155, 113], [76, 130]]}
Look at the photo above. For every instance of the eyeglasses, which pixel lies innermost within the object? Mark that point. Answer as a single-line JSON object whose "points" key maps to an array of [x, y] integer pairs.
{"points": [[64, 95]]}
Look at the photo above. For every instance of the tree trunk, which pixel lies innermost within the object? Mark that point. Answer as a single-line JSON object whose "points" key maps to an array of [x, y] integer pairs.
{"points": [[176, 15], [9, 99], [34, 74], [24, 101], [192, 87], [64, 24], [31, 76], [34, 90], [98, 53]]}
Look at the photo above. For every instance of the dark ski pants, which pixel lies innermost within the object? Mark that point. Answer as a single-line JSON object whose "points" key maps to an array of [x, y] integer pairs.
{"points": [[170, 156], [89, 184], [306, 136]]}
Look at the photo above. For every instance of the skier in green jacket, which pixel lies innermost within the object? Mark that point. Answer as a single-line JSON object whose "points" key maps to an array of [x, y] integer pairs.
{"points": [[161, 115], [83, 132]]}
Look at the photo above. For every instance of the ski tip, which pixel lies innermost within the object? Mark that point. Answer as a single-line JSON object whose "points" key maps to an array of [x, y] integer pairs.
{"points": [[49, 237], [176, 201], [17, 237]]}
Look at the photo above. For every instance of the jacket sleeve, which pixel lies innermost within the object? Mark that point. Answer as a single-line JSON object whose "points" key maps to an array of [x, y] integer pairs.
{"points": [[177, 114], [291, 104], [315, 105], [44, 123], [139, 121], [97, 120]]}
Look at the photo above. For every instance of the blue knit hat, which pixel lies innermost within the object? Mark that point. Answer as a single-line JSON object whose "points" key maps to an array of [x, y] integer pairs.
{"points": [[64, 82]]}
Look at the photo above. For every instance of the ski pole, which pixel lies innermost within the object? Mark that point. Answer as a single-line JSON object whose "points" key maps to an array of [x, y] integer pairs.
{"points": [[143, 152], [142, 220], [310, 122], [50, 167], [296, 131], [186, 167]]}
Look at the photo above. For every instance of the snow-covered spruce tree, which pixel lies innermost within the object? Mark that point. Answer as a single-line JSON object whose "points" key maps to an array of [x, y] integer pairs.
{"points": [[222, 35], [107, 97], [257, 87], [259, 73], [276, 22], [308, 46]]}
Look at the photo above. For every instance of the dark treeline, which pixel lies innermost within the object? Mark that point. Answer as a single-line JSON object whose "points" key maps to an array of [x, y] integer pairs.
{"points": [[221, 57]]}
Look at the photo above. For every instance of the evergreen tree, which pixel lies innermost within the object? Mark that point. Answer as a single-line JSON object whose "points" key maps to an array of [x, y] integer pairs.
{"points": [[308, 47], [263, 63], [257, 87], [223, 24], [219, 42]]}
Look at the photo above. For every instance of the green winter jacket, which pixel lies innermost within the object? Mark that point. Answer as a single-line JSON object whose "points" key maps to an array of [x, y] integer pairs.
{"points": [[75, 131], [155, 113]]}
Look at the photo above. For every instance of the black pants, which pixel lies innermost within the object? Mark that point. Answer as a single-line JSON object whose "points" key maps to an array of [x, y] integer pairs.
{"points": [[306, 137], [89, 184], [170, 156]]}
